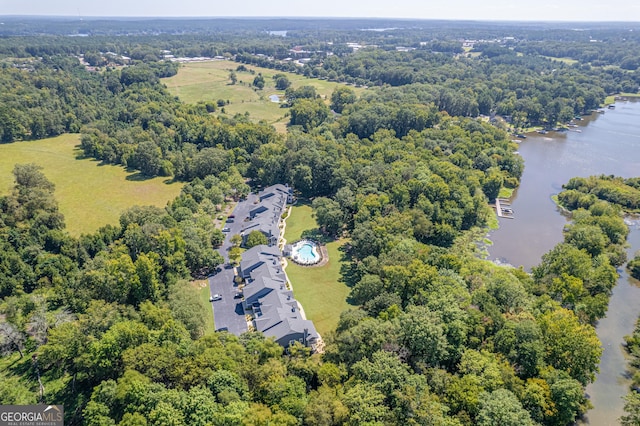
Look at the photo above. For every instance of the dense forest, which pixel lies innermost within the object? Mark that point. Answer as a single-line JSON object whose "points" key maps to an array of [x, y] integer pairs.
{"points": [[110, 324], [614, 196]]}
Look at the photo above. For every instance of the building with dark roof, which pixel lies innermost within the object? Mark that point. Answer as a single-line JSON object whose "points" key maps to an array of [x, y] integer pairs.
{"points": [[266, 215], [276, 312]]}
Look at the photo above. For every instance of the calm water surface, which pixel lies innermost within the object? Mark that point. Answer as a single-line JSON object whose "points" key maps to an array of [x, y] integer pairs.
{"points": [[607, 144]]}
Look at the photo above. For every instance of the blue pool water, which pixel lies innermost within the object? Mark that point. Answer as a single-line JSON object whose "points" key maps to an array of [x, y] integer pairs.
{"points": [[306, 254]]}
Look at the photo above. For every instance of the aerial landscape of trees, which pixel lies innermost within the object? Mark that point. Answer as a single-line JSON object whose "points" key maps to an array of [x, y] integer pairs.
{"points": [[110, 323]]}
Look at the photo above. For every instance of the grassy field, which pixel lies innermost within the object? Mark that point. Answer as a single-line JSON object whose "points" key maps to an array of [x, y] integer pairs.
{"points": [[204, 293], [612, 98], [568, 61], [319, 289], [209, 81], [90, 195]]}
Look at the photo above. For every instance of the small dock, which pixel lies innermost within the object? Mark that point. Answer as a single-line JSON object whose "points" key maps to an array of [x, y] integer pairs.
{"points": [[503, 208]]}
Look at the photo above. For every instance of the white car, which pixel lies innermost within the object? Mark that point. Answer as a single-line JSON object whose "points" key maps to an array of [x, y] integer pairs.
{"points": [[215, 297]]}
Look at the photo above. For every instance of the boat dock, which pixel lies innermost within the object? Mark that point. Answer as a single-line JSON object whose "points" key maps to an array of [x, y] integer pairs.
{"points": [[503, 208]]}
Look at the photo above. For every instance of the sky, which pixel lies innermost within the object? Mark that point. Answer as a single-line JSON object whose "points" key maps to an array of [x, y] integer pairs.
{"points": [[513, 10]]}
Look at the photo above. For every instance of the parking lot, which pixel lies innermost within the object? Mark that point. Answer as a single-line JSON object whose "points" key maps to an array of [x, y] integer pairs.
{"points": [[228, 312]]}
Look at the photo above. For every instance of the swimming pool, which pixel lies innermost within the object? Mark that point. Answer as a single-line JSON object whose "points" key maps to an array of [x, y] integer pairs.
{"points": [[305, 252]]}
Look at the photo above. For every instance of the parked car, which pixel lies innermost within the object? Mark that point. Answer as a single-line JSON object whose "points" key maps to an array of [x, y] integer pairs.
{"points": [[215, 297], [232, 216], [225, 229], [223, 329], [237, 295]]}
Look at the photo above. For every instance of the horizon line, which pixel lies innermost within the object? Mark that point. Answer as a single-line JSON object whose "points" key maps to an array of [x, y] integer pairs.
{"points": [[264, 17]]}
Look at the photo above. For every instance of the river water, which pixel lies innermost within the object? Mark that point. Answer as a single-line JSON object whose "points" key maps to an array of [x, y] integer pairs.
{"points": [[605, 144]]}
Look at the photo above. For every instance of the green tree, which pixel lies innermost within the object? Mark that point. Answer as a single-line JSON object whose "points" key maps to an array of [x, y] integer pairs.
{"points": [[568, 399], [632, 409], [365, 404], [341, 97], [147, 285], [282, 82], [328, 214], [634, 266], [325, 408], [13, 391], [256, 238], [309, 113], [235, 254], [236, 240], [258, 81], [569, 345], [492, 183], [501, 407], [588, 237], [148, 158], [423, 335], [187, 307]]}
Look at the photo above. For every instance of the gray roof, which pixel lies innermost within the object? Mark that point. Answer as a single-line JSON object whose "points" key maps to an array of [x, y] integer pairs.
{"points": [[258, 255], [278, 315], [292, 326], [275, 307], [262, 224], [261, 284]]}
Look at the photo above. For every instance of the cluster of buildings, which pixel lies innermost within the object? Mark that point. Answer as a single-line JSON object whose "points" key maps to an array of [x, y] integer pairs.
{"points": [[276, 313], [266, 215]]}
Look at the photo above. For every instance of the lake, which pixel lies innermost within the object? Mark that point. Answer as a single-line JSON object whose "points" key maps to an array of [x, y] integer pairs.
{"points": [[606, 144]]}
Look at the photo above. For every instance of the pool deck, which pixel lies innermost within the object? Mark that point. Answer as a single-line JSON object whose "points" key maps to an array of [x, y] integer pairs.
{"points": [[319, 247]]}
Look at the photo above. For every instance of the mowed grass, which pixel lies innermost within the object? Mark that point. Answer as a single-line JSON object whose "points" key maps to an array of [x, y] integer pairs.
{"points": [[612, 98], [90, 195], [319, 289], [568, 61], [209, 81]]}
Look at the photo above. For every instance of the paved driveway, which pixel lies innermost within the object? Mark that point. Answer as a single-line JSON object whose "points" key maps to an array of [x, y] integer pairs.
{"points": [[228, 311], [240, 212]]}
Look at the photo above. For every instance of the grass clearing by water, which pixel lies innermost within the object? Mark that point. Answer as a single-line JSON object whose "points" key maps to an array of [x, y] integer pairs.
{"points": [[612, 98], [90, 195], [319, 289]]}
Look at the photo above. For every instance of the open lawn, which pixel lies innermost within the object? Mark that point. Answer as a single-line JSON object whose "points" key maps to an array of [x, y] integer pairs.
{"points": [[568, 61], [319, 289], [209, 81], [90, 194], [612, 98]]}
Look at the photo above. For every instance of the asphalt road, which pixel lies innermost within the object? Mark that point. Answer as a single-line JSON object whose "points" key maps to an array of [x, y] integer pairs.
{"points": [[228, 312]]}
